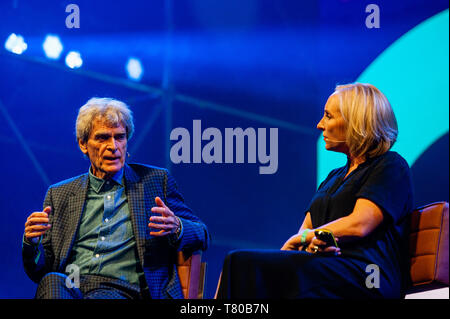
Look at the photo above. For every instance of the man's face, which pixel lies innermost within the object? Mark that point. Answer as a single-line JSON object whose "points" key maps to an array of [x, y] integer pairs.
{"points": [[106, 148]]}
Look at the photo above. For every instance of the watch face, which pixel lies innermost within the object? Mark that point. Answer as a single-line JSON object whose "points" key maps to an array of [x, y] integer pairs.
{"points": [[178, 231]]}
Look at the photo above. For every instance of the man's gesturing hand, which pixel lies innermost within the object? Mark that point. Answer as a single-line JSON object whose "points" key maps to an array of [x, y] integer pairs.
{"points": [[168, 223], [37, 224]]}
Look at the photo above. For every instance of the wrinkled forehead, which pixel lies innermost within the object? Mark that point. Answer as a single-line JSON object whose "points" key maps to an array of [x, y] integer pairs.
{"points": [[106, 124]]}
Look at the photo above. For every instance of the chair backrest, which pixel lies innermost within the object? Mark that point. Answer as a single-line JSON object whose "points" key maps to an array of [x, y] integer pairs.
{"points": [[429, 245], [192, 272]]}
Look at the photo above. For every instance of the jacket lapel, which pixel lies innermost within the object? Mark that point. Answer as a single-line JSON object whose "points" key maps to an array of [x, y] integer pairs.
{"points": [[137, 205], [74, 211]]}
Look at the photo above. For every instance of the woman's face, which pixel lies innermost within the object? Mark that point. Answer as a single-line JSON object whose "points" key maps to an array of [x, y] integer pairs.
{"points": [[333, 126]]}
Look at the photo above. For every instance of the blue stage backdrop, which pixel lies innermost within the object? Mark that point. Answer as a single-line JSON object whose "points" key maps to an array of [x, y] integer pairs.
{"points": [[253, 64]]}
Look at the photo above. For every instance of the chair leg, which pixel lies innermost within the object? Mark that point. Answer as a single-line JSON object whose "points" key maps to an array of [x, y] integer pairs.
{"points": [[218, 285]]}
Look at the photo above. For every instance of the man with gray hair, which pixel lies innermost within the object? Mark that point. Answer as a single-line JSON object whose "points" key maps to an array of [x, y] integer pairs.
{"points": [[114, 231]]}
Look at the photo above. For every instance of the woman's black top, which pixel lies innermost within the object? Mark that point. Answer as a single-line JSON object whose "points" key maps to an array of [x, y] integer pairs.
{"points": [[386, 181]]}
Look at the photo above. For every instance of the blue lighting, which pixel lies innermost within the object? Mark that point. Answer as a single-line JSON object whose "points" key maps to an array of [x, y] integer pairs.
{"points": [[134, 69], [52, 47], [74, 60], [15, 44]]}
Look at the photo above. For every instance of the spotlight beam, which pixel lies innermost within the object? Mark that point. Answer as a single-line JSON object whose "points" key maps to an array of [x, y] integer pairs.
{"points": [[179, 97]]}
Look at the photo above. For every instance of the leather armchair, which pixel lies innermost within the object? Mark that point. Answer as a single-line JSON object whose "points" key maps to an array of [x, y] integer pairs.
{"points": [[429, 252]]}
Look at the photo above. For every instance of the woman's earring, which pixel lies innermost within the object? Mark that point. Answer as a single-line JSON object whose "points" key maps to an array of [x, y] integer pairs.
{"points": [[128, 154]]}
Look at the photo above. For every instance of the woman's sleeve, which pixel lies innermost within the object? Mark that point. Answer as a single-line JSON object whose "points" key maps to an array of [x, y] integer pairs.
{"points": [[389, 186]]}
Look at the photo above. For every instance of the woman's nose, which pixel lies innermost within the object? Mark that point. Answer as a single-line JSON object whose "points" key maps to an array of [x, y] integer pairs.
{"points": [[320, 125]]}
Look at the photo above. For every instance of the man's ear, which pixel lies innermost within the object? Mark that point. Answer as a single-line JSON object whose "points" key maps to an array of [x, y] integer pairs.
{"points": [[83, 146]]}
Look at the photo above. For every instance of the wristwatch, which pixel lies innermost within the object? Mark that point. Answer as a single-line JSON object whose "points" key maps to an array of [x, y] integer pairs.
{"points": [[180, 227]]}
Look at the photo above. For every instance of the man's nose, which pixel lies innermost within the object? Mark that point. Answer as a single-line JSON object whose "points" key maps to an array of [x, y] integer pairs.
{"points": [[112, 144]]}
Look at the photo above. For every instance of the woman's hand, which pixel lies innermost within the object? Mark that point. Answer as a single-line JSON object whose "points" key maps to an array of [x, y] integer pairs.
{"points": [[293, 243], [318, 246], [312, 243]]}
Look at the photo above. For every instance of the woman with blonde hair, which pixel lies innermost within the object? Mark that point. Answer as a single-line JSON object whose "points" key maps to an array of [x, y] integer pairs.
{"points": [[364, 205]]}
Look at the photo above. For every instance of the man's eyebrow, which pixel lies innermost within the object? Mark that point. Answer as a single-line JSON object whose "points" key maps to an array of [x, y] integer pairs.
{"points": [[101, 134]]}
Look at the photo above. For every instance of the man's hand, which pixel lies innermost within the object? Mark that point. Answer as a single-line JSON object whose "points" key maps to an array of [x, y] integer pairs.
{"points": [[168, 223], [37, 225]]}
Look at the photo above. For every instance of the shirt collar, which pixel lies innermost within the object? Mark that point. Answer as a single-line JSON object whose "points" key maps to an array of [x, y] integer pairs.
{"points": [[97, 183]]}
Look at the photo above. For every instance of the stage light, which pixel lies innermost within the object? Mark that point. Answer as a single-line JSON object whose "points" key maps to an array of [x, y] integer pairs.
{"points": [[134, 69], [73, 60], [15, 44], [52, 47]]}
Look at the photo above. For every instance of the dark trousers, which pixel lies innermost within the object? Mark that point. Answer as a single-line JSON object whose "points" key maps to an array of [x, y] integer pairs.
{"points": [[55, 286], [279, 274]]}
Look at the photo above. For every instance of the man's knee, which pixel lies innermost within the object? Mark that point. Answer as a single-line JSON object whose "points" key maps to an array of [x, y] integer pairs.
{"points": [[53, 278], [54, 286]]}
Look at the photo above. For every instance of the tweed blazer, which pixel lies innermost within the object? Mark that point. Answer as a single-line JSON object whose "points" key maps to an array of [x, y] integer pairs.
{"points": [[157, 255]]}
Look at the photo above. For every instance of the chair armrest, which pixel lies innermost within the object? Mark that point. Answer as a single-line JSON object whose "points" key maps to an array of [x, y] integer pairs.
{"points": [[191, 272]]}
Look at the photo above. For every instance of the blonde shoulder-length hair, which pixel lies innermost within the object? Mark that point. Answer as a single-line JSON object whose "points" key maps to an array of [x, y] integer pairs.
{"points": [[371, 124]]}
